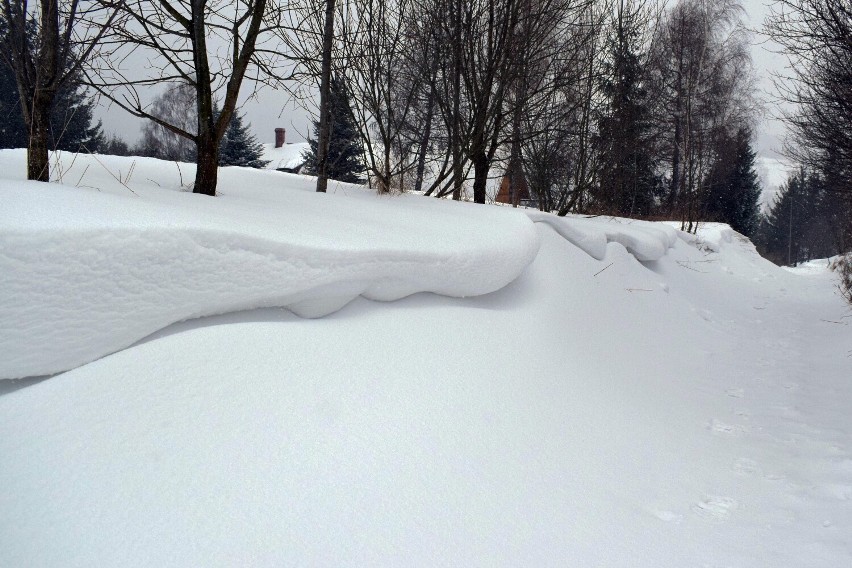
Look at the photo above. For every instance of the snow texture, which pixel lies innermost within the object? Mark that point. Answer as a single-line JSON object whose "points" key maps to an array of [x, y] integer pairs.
{"points": [[645, 241], [85, 272], [596, 411]]}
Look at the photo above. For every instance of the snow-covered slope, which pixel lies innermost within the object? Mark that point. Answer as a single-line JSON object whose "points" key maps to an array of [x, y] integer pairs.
{"points": [[688, 409], [88, 271]]}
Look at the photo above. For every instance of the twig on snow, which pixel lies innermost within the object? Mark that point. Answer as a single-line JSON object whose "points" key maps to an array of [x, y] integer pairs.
{"points": [[604, 268]]}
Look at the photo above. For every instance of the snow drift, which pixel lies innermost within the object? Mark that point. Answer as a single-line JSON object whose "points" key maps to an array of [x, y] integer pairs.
{"points": [[86, 271], [91, 269]]}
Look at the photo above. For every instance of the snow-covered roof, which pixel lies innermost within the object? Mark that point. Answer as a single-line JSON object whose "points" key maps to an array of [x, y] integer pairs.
{"points": [[288, 156]]}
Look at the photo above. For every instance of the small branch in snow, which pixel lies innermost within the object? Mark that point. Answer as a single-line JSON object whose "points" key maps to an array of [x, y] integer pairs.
{"points": [[832, 321], [82, 175], [638, 290], [684, 265], [604, 268], [118, 179], [180, 173]]}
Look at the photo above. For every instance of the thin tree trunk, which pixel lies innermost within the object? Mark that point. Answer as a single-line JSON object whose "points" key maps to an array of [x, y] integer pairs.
{"points": [[516, 167], [38, 124], [324, 134], [424, 140], [458, 175], [207, 151]]}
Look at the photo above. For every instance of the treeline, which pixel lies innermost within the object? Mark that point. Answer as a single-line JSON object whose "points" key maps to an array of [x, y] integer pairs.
{"points": [[622, 107], [72, 127], [812, 215], [806, 221]]}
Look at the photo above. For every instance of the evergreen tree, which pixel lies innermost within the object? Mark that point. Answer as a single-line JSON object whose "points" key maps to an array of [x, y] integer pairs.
{"points": [[115, 146], [345, 152], [239, 147], [799, 226], [779, 232], [71, 120], [629, 184], [732, 189]]}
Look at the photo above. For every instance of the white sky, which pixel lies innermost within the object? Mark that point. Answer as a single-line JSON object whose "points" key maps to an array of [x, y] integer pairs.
{"points": [[271, 109]]}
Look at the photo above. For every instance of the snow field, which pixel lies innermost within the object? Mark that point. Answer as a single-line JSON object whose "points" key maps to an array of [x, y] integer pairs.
{"points": [[686, 409]]}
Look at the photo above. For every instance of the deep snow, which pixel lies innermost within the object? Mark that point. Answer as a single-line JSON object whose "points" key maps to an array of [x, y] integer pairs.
{"points": [[690, 409], [89, 270]]}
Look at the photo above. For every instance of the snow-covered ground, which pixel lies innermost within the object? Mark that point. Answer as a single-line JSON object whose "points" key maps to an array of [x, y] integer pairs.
{"points": [[608, 393]]}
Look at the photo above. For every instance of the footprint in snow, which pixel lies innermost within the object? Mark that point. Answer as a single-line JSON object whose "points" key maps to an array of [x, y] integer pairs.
{"points": [[715, 508], [668, 516], [742, 413], [837, 491], [735, 393], [719, 427], [746, 466]]}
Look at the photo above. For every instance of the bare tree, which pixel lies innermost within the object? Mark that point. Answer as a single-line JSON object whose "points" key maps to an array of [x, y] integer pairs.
{"points": [[175, 106], [210, 45], [45, 47], [382, 91], [324, 137], [816, 36], [702, 74]]}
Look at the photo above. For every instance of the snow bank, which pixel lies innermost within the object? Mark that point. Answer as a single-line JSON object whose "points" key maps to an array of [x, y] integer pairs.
{"points": [[87, 271], [645, 241], [687, 412]]}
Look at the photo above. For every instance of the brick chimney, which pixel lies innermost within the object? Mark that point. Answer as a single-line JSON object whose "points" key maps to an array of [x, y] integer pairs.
{"points": [[279, 137]]}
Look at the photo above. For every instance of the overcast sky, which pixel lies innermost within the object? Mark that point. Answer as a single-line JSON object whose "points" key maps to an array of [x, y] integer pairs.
{"points": [[271, 109]]}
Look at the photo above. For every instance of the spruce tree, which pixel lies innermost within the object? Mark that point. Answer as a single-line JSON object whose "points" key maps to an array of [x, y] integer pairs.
{"points": [[629, 184], [780, 231], [71, 119], [732, 188], [799, 226], [345, 152], [239, 147]]}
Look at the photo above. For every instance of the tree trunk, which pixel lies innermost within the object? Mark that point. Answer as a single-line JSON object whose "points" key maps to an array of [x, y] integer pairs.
{"points": [[38, 125], [207, 172], [424, 140], [324, 133], [480, 176], [516, 166]]}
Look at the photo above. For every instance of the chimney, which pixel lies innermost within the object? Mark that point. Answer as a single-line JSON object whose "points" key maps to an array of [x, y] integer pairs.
{"points": [[279, 137]]}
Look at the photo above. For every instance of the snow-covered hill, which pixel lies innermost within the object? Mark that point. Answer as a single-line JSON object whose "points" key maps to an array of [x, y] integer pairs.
{"points": [[608, 393]]}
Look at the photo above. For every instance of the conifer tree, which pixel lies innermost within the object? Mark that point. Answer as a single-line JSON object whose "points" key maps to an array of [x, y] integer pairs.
{"points": [[628, 181], [799, 226], [345, 152], [733, 191], [239, 147], [71, 119]]}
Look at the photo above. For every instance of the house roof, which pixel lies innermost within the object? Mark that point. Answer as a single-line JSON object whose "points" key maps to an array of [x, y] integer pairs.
{"points": [[288, 156]]}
